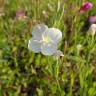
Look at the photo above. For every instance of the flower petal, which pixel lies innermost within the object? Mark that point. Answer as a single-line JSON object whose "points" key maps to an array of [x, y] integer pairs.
{"points": [[48, 49], [38, 30], [55, 34], [93, 27], [85, 7], [34, 45], [58, 53], [92, 30]]}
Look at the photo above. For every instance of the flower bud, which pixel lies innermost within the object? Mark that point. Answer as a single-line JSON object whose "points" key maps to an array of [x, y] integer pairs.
{"points": [[92, 19], [86, 7]]}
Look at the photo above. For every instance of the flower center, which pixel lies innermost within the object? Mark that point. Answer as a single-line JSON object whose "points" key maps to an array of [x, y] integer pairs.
{"points": [[46, 39]]}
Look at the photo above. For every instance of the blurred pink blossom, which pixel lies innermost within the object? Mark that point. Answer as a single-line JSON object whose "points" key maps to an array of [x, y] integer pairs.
{"points": [[92, 19], [20, 14], [86, 6]]}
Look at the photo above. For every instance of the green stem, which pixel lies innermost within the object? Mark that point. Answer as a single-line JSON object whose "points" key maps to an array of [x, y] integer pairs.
{"points": [[90, 48], [57, 76]]}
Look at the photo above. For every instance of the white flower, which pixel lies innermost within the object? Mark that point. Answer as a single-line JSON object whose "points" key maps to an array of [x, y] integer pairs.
{"points": [[45, 40], [93, 29], [79, 47]]}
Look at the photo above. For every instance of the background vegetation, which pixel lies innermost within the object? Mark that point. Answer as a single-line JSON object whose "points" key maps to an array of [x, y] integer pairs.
{"points": [[23, 73]]}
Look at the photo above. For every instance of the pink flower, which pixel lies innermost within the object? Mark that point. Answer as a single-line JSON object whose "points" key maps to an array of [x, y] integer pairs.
{"points": [[92, 19], [86, 7], [20, 15]]}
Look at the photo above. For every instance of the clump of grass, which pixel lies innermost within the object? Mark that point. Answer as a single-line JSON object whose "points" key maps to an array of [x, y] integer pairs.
{"points": [[23, 73]]}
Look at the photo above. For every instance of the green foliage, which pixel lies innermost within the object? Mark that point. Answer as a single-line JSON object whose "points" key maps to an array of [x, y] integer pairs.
{"points": [[23, 73]]}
